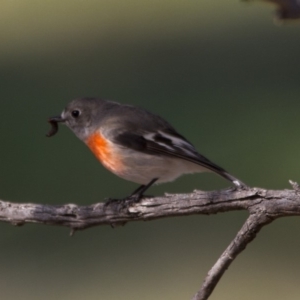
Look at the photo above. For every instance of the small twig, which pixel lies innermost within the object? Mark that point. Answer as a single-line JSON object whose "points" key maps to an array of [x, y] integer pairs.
{"points": [[295, 185], [247, 233]]}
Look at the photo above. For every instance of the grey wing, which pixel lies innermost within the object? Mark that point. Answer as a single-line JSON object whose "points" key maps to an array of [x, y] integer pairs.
{"points": [[170, 143], [162, 139]]}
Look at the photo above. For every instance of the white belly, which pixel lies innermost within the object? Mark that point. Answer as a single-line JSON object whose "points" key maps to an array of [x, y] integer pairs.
{"points": [[142, 168]]}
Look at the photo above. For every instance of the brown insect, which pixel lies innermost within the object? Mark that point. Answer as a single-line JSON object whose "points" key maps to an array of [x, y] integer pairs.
{"points": [[54, 125]]}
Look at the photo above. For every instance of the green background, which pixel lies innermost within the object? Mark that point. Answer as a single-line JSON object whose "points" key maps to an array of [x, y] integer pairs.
{"points": [[220, 71]]}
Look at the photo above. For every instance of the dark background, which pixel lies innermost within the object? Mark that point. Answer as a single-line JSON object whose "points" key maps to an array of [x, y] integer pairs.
{"points": [[220, 71]]}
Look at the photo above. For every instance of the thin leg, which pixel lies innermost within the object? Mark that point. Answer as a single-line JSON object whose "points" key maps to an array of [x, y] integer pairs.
{"points": [[139, 192], [134, 197]]}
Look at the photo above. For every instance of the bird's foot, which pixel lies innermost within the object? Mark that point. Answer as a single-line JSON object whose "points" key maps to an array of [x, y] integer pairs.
{"points": [[125, 202]]}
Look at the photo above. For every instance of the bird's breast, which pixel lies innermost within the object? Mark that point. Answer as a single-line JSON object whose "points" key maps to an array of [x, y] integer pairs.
{"points": [[105, 152]]}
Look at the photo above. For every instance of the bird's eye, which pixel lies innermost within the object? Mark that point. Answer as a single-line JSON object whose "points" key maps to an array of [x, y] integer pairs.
{"points": [[75, 113]]}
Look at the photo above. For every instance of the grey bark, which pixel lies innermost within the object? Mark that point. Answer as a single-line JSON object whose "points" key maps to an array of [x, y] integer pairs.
{"points": [[264, 206]]}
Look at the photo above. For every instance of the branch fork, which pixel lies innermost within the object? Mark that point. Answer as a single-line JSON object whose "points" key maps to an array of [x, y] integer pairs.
{"points": [[264, 206]]}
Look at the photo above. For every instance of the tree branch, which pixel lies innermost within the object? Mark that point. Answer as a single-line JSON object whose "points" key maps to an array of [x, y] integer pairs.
{"points": [[263, 206], [247, 233]]}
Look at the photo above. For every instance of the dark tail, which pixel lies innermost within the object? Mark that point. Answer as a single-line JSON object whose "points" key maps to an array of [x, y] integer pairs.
{"points": [[239, 184]]}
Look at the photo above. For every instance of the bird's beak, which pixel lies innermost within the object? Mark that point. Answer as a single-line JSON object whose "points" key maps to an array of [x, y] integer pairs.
{"points": [[56, 119], [54, 125]]}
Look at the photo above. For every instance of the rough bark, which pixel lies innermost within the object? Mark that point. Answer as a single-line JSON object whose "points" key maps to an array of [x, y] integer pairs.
{"points": [[263, 206]]}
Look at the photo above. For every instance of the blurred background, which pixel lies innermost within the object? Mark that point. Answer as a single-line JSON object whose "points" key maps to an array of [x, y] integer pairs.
{"points": [[221, 72]]}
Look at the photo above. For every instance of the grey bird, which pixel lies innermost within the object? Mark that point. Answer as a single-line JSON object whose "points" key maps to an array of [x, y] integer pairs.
{"points": [[134, 144]]}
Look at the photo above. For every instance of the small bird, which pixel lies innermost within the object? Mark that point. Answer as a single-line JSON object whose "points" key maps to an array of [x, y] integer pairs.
{"points": [[134, 144]]}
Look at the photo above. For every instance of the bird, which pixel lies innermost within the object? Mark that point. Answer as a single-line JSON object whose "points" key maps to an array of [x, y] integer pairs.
{"points": [[134, 144]]}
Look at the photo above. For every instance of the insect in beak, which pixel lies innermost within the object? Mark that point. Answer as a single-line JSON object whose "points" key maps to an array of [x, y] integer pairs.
{"points": [[54, 125]]}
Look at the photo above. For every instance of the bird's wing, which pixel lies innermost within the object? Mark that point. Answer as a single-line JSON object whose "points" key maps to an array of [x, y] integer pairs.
{"points": [[168, 143]]}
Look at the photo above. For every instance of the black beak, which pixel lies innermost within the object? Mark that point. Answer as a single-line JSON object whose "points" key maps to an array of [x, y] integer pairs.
{"points": [[54, 125]]}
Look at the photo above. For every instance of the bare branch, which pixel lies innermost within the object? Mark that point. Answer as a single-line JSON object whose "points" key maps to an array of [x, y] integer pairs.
{"points": [[263, 206], [247, 233]]}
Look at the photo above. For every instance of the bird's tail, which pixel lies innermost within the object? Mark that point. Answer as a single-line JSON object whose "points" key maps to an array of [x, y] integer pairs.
{"points": [[238, 183]]}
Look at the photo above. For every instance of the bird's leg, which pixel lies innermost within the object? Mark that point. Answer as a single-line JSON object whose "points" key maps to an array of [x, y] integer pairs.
{"points": [[134, 197], [139, 192]]}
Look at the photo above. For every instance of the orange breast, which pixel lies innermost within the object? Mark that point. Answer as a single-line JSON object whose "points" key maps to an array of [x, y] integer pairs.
{"points": [[104, 152]]}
